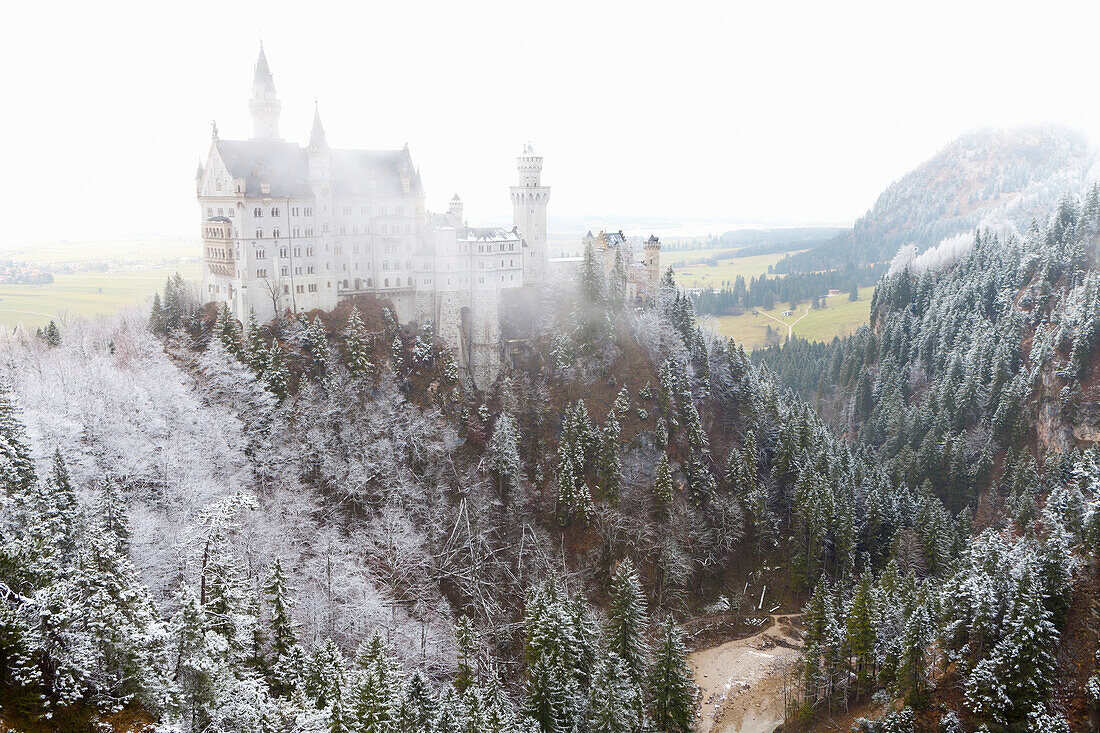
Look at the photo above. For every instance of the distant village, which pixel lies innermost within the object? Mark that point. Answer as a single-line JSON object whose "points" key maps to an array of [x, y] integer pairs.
{"points": [[12, 272]]}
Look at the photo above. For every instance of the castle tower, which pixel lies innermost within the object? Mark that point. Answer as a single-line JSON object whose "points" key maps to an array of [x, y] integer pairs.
{"points": [[529, 200], [455, 210], [652, 261], [263, 104]]}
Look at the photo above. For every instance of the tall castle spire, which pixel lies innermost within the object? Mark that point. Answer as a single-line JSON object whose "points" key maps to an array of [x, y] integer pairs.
{"points": [[317, 139], [263, 103]]}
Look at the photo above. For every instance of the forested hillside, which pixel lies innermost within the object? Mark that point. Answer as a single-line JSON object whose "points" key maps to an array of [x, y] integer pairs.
{"points": [[1004, 177], [313, 525], [975, 384]]}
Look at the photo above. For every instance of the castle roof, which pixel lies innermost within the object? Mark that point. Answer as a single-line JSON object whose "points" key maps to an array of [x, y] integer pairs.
{"points": [[284, 166], [488, 234]]}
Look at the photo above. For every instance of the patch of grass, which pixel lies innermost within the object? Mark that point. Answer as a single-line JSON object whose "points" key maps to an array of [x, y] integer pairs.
{"points": [[840, 317], [84, 294], [727, 270]]}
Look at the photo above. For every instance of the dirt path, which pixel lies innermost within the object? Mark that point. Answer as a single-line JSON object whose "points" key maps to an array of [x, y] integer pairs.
{"points": [[790, 326], [742, 680]]}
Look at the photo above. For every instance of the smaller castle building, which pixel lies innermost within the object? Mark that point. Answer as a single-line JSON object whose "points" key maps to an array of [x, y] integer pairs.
{"points": [[642, 273]]}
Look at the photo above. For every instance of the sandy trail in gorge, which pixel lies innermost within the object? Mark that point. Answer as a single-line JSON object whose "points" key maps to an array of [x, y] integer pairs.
{"points": [[741, 681]]}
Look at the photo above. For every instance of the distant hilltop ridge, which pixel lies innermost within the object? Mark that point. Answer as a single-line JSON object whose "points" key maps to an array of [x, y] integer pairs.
{"points": [[1007, 176]]}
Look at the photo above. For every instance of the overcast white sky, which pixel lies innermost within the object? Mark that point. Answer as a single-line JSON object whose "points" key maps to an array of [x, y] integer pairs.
{"points": [[750, 111]]}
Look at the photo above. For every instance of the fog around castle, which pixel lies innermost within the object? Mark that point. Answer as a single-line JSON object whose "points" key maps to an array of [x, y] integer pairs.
{"points": [[768, 112]]}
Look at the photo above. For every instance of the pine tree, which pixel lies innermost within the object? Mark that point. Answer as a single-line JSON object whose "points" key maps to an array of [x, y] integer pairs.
{"points": [[670, 686], [662, 484], [860, 630], [627, 621], [609, 464], [616, 286], [613, 698], [316, 343], [275, 374], [417, 708], [156, 316], [357, 347], [467, 640], [283, 638], [591, 279], [52, 334], [110, 511], [255, 353], [504, 459]]}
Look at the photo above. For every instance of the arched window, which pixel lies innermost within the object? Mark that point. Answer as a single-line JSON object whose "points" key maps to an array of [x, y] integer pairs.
{"points": [[275, 232], [257, 212], [387, 282], [259, 234], [275, 211]]}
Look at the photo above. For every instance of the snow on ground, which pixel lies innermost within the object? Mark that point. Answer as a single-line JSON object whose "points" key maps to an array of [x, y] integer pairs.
{"points": [[741, 681]]}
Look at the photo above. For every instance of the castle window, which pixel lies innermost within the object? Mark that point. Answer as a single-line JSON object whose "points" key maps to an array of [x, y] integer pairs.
{"points": [[209, 212], [284, 271], [282, 251], [257, 212], [313, 288], [259, 234], [261, 254], [261, 273], [387, 282], [297, 251], [300, 289], [275, 233], [275, 211], [309, 270], [309, 251]]}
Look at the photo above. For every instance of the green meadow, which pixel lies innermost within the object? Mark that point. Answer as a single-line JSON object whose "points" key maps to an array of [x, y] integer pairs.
{"points": [[84, 294], [839, 317]]}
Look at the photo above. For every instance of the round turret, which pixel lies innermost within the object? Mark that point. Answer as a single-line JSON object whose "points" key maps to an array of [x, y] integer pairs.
{"points": [[529, 166]]}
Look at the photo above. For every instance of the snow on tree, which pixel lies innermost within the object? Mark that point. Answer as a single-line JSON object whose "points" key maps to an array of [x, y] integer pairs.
{"points": [[504, 459], [670, 687]]}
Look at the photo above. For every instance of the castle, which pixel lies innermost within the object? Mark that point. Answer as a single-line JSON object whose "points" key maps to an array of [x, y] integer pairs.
{"points": [[287, 228]]}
